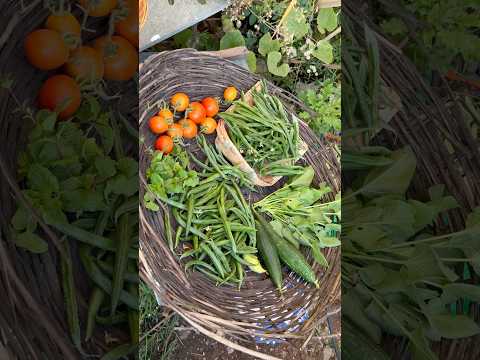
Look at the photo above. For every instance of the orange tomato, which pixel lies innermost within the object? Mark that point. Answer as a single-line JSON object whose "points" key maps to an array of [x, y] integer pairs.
{"points": [[189, 128], [211, 106], [85, 63], [158, 124], [230, 93], [45, 49], [175, 131], [180, 101], [67, 26], [60, 93], [196, 112], [164, 144], [120, 58], [166, 113], [98, 8], [128, 27], [208, 125]]}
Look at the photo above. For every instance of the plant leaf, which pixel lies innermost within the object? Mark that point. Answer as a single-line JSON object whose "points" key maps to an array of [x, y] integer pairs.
{"points": [[273, 59], [31, 242], [454, 327], [232, 39], [323, 52], [252, 61], [326, 20], [267, 45]]}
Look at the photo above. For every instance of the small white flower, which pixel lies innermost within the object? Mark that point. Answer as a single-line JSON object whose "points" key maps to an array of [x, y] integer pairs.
{"points": [[309, 71], [238, 23]]}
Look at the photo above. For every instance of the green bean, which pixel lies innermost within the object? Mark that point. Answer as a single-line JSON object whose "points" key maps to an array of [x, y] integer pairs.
{"points": [[199, 163], [220, 255], [199, 263], [102, 281], [189, 253], [121, 260], [193, 230], [131, 277], [133, 318], [195, 242], [211, 275], [96, 299], [128, 206], [216, 262], [239, 259], [209, 196], [90, 238], [221, 210], [189, 215], [178, 234], [69, 292]]}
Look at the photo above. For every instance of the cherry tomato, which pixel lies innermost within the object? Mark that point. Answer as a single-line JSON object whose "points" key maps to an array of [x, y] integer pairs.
{"points": [[128, 27], [175, 131], [120, 58], [98, 8], [196, 112], [180, 101], [45, 49], [189, 128], [164, 144], [166, 113], [67, 26], [211, 106], [60, 93], [208, 125], [85, 63], [230, 93], [158, 124]]}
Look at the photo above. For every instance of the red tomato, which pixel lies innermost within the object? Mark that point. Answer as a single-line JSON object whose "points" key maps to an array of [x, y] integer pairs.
{"points": [[85, 63], [45, 49], [164, 144], [67, 26], [120, 58], [128, 27], [209, 125], [196, 112], [60, 93], [189, 128], [180, 101], [211, 106], [98, 8], [158, 124]]}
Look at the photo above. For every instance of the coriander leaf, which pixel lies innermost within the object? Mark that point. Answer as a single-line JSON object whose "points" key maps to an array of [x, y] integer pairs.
{"points": [[42, 179], [31, 242], [105, 167]]}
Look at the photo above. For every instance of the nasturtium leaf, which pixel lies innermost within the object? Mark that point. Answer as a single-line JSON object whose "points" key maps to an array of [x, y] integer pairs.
{"points": [[31, 242], [454, 327], [105, 166], [326, 20], [323, 51], [41, 179], [252, 61], [273, 60], [232, 39], [267, 45], [295, 24]]}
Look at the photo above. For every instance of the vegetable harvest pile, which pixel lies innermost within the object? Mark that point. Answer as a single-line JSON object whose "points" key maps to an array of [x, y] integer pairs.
{"points": [[212, 224], [79, 172]]}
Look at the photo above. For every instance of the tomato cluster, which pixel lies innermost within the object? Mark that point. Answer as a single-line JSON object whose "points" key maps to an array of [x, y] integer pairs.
{"points": [[195, 114], [59, 45]]}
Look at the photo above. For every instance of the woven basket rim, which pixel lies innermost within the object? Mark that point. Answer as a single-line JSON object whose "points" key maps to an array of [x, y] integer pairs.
{"points": [[202, 314]]}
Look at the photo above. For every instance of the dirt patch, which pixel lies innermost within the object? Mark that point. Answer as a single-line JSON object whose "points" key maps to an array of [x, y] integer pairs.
{"points": [[195, 346]]}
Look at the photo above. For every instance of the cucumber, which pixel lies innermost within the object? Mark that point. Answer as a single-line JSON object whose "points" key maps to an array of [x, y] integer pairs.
{"points": [[269, 255], [357, 346], [291, 256]]}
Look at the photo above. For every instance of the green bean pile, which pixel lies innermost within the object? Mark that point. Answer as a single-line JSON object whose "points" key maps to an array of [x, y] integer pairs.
{"points": [[264, 134]]}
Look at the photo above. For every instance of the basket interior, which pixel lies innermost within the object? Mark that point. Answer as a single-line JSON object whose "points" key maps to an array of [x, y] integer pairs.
{"points": [[258, 302]]}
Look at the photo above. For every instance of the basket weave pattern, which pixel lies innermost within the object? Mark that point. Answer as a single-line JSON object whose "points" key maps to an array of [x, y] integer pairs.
{"points": [[225, 310]]}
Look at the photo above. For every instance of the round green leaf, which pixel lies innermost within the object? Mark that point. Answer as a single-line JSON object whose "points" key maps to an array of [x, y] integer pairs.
{"points": [[232, 39], [266, 45], [296, 24], [323, 52], [273, 59], [326, 20], [252, 61]]}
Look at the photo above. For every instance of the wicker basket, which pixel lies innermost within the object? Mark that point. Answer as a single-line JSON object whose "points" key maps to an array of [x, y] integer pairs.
{"points": [[445, 149], [32, 316], [222, 311]]}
